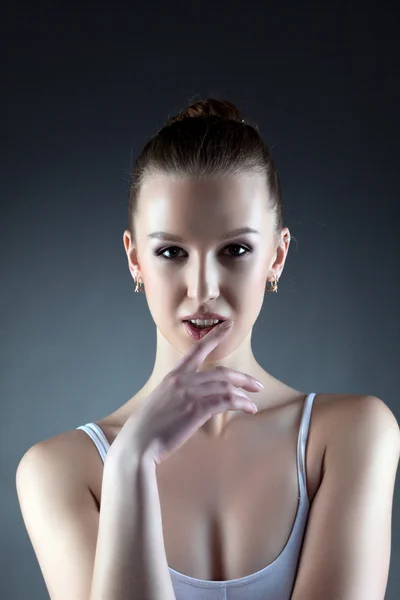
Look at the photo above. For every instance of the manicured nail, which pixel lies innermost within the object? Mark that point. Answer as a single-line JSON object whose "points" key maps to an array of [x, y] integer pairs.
{"points": [[259, 384], [226, 324]]}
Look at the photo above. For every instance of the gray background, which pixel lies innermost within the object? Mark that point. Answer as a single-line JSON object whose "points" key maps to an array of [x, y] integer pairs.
{"points": [[82, 92]]}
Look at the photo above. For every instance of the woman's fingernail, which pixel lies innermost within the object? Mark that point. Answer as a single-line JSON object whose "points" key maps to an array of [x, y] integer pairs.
{"points": [[259, 384]]}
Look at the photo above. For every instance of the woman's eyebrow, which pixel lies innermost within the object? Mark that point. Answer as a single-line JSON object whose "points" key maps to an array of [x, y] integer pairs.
{"points": [[164, 235]]}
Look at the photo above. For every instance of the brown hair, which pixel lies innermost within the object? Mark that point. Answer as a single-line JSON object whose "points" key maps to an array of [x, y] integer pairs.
{"points": [[207, 138]]}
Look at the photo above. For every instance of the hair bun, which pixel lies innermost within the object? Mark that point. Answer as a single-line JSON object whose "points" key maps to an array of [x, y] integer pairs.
{"points": [[211, 107]]}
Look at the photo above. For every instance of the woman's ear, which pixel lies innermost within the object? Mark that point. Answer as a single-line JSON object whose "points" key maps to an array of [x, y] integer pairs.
{"points": [[281, 253], [131, 254]]}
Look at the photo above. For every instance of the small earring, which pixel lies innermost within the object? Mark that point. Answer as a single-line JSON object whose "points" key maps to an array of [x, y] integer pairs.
{"points": [[138, 284], [274, 285]]}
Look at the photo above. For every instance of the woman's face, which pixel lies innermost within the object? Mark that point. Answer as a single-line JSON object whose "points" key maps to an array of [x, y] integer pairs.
{"points": [[205, 269]]}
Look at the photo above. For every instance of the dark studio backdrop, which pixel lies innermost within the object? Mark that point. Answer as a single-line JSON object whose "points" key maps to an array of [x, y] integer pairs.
{"points": [[82, 90]]}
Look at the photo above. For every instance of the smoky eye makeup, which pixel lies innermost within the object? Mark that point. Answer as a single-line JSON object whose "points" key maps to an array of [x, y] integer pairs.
{"points": [[242, 250]]}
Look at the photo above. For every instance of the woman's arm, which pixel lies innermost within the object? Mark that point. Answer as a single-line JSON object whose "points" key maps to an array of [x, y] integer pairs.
{"points": [[130, 557]]}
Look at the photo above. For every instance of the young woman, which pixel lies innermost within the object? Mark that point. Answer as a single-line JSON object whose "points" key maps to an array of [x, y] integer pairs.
{"points": [[185, 491]]}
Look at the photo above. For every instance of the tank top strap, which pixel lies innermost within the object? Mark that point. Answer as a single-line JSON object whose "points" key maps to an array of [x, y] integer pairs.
{"points": [[96, 433], [302, 441]]}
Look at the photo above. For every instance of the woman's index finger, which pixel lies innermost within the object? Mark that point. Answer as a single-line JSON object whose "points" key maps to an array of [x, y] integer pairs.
{"points": [[192, 360]]}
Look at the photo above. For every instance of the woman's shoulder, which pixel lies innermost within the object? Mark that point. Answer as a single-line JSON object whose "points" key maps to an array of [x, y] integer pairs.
{"points": [[336, 409], [67, 461]]}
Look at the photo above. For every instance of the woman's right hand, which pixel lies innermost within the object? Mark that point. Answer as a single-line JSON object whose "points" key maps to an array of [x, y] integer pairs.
{"points": [[183, 401]]}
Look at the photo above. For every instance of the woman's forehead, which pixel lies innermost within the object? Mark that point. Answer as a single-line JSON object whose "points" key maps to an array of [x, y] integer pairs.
{"points": [[229, 199], [245, 186]]}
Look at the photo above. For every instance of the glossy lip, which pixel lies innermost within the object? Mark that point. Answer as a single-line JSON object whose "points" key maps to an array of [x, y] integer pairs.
{"points": [[195, 333], [204, 316]]}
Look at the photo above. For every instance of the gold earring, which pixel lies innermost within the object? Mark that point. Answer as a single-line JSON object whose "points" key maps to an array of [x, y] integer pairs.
{"points": [[138, 284], [274, 285]]}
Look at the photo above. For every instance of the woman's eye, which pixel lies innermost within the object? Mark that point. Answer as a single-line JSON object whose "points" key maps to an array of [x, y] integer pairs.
{"points": [[162, 254]]}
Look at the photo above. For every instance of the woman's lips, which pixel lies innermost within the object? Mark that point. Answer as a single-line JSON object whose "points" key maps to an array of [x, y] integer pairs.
{"points": [[196, 333]]}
